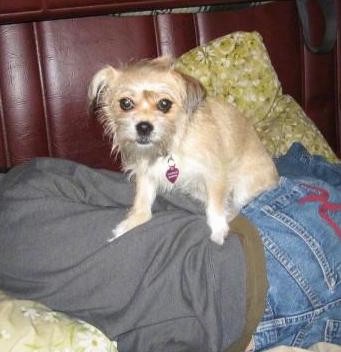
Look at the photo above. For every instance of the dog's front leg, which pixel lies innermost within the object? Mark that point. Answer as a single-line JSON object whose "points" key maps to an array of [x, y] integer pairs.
{"points": [[215, 212], [141, 210]]}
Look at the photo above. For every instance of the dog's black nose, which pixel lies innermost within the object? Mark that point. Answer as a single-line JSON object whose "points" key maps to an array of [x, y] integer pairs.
{"points": [[144, 128]]}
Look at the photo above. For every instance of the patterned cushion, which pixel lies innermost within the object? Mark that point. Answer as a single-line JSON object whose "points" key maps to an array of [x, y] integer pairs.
{"points": [[27, 326], [237, 67]]}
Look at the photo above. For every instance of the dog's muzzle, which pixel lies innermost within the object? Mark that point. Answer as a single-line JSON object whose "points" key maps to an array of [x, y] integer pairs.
{"points": [[144, 130]]}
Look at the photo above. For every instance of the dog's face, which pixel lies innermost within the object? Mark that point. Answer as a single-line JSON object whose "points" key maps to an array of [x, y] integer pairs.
{"points": [[145, 106]]}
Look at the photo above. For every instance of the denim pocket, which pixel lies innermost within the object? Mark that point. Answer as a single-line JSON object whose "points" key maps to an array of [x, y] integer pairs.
{"points": [[309, 240], [302, 240], [303, 260]]}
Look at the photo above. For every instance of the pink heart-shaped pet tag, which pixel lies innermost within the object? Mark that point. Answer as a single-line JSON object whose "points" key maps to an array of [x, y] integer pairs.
{"points": [[172, 174]]}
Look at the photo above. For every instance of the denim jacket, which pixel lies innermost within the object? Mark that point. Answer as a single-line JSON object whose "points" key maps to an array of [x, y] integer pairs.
{"points": [[300, 225]]}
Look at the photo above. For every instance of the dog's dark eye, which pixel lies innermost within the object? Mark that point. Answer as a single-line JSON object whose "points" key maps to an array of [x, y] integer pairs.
{"points": [[164, 105], [126, 104]]}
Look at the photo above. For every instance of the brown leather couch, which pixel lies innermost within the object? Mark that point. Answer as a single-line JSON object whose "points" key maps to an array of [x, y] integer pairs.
{"points": [[50, 49]]}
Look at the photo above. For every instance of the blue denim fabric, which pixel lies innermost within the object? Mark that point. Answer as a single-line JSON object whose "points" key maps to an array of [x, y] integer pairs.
{"points": [[300, 224], [297, 162]]}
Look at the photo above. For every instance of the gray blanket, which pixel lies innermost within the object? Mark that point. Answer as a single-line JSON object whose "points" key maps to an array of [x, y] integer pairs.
{"points": [[162, 287]]}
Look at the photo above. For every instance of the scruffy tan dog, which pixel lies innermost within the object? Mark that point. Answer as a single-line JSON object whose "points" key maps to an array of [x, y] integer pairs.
{"points": [[171, 136]]}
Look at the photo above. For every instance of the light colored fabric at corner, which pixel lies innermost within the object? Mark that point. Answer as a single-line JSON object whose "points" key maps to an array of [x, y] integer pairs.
{"points": [[325, 347], [27, 326], [318, 347]]}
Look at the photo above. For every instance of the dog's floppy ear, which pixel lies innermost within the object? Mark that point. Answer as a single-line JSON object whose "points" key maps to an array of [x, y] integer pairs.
{"points": [[195, 93], [98, 85]]}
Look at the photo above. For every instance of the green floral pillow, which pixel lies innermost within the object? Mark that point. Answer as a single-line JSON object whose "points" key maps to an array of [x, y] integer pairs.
{"points": [[237, 67], [287, 123], [27, 326]]}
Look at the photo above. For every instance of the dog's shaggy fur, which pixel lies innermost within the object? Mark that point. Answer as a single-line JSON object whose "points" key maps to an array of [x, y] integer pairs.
{"points": [[171, 136]]}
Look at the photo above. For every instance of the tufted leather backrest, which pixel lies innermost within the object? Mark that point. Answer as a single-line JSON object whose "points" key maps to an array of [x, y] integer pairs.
{"points": [[45, 68], [15, 11]]}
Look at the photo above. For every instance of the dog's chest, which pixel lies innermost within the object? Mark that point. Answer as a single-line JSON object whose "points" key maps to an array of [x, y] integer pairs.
{"points": [[182, 174]]}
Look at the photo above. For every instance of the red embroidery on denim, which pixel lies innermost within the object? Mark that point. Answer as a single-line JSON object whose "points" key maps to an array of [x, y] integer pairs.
{"points": [[322, 196]]}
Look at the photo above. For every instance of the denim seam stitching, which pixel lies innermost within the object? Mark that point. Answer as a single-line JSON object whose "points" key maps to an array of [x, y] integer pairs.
{"points": [[297, 341], [285, 260], [328, 273], [330, 329], [268, 308], [299, 318]]}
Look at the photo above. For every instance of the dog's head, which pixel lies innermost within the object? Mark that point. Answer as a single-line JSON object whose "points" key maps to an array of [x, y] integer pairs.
{"points": [[146, 105]]}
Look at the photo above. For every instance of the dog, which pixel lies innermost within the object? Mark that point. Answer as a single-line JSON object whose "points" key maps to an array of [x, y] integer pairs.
{"points": [[172, 136]]}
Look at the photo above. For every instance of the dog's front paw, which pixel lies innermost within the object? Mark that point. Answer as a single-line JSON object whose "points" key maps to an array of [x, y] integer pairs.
{"points": [[128, 224], [219, 237], [125, 226], [219, 230], [218, 225], [118, 231], [121, 229]]}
